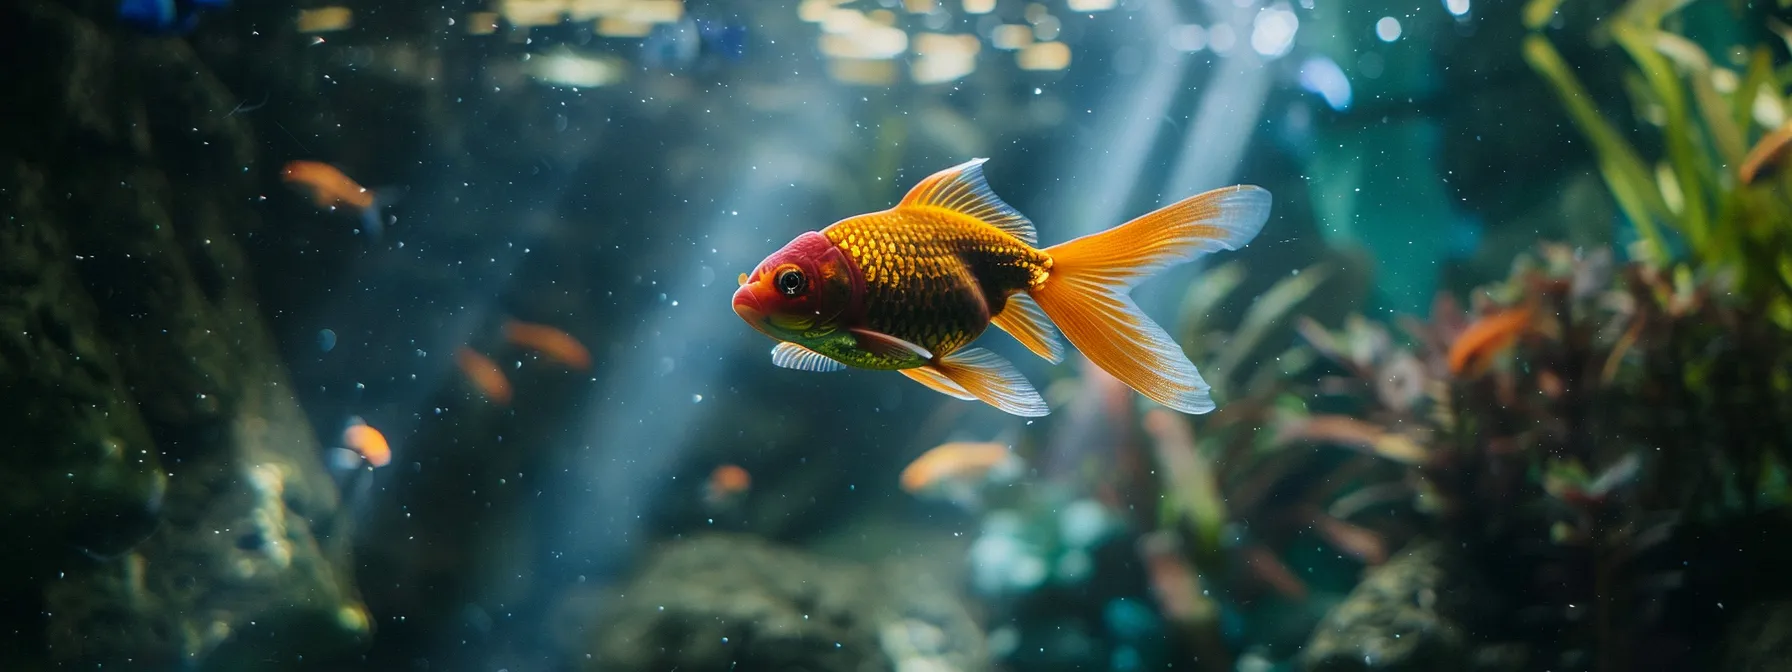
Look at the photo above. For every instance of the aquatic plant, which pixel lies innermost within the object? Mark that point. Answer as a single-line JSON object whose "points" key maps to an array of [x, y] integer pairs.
{"points": [[1633, 399], [1214, 512], [1708, 202]]}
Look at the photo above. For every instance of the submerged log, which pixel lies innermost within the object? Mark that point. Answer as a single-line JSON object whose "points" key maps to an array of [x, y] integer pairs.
{"points": [[164, 497]]}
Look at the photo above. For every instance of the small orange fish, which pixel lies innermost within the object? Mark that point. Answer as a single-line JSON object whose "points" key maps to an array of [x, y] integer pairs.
{"points": [[1473, 352], [961, 461], [484, 374], [367, 441], [329, 188], [907, 289], [727, 483], [552, 343], [1768, 155]]}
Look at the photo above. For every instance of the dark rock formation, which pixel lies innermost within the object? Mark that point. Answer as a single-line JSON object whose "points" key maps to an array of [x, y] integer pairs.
{"points": [[1760, 639], [719, 602], [1409, 614], [161, 484]]}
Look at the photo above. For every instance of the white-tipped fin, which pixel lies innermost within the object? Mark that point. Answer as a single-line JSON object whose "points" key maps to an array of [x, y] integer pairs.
{"points": [[938, 382], [962, 189], [986, 376], [1226, 218], [792, 356], [1086, 294]]}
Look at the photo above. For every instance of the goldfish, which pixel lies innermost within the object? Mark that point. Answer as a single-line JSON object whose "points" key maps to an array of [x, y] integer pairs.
{"points": [[909, 288], [727, 484], [954, 471], [361, 441], [1472, 353], [484, 374], [552, 343], [329, 188]]}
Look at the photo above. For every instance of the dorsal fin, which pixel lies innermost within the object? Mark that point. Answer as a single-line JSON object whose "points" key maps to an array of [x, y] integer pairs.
{"points": [[962, 189]]}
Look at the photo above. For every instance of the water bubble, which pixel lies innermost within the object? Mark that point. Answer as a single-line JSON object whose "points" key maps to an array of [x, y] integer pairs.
{"points": [[1388, 29], [326, 340]]}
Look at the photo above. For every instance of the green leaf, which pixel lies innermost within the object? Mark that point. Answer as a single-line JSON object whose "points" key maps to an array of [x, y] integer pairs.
{"points": [[1679, 134], [1265, 313], [1538, 13], [1625, 173]]}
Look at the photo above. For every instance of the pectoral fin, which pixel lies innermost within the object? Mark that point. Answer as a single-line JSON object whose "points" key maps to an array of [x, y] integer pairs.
{"points": [[885, 345], [792, 356]]}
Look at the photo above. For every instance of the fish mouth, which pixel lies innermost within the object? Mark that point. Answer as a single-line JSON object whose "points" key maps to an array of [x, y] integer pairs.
{"points": [[748, 306]]}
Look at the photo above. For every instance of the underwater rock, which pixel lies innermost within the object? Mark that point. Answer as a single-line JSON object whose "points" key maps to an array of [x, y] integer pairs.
{"points": [[728, 601], [1407, 614], [162, 483], [1760, 639]]}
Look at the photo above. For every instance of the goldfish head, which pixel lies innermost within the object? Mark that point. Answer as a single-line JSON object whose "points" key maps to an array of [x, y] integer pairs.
{"points": [[802, 292]]}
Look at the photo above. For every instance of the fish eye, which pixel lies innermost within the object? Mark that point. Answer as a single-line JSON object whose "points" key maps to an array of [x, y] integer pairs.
{"points": [[791, 282]]}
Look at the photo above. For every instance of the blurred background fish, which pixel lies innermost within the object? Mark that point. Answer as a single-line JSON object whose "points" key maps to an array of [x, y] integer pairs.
{"points": [[166, 17]]}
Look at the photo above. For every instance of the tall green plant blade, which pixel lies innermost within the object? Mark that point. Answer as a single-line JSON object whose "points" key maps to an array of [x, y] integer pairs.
{"points": [[1679, 135], [1203, 297], [1268, 311], [1760, 74], [1624, 172], [1538, 13]]}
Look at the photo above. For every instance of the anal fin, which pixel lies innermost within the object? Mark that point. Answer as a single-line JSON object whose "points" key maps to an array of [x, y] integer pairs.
{"points": [[995, 381], [1023, 319], [938, 382]]}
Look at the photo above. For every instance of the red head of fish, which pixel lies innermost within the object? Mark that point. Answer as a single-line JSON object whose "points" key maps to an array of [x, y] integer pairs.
{"points": [[807, 288]]}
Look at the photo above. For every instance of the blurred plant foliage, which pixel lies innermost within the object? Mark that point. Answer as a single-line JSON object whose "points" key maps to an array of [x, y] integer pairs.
{"points": [[1560, 428], [1711, 201]]}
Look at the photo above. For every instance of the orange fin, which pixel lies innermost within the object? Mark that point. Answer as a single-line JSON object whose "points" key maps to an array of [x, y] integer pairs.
{"points": [[986, 376], [792, 356], [1086, 294], [963, 190], [1026, 322], [885, 345], [938, 382]]}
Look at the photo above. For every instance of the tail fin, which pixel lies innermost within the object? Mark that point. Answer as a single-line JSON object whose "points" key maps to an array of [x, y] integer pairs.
{"points": [[373, 219], [1086, 294]]}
